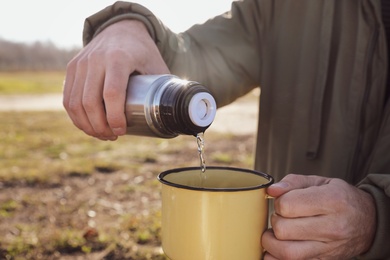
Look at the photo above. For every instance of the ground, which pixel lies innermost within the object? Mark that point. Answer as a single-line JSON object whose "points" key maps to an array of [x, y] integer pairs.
{"points": [[113, 213]]}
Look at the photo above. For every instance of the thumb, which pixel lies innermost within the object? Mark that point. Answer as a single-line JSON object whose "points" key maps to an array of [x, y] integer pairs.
{"points": [[294, 182]]}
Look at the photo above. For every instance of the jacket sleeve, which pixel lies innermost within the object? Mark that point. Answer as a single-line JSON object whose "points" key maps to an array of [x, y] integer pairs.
{"points": [[378, 185], [222, 53]]}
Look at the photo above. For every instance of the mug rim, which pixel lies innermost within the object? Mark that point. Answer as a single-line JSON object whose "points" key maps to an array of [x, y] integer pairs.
{"points": [[270, 179]]}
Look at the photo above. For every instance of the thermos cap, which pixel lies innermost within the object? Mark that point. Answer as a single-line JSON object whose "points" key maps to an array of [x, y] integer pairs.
{"points": [[202, 109]]}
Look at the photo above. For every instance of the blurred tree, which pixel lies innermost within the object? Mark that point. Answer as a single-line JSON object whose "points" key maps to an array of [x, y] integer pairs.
{"points": [[37, 56]]}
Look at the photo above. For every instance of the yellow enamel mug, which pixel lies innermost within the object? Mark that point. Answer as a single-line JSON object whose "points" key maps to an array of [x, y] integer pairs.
{"points": [[219, 217]]}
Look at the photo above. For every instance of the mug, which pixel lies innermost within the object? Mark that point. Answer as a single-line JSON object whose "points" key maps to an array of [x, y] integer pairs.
{"points": [[217, 215]]}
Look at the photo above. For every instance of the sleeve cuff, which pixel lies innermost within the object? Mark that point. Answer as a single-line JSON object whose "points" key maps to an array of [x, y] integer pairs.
{"points": [[379, 248], [119, 11], [125, 17]]}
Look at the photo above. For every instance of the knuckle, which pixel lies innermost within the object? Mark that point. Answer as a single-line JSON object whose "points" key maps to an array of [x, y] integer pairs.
{"points": [[116, 121], [279, 231], [115, 91], [95, 57], [87, 129], [110, 92], [90, 132], [89, 103], [340, 199], [82, 63], [74, 106], [76, 62], [65, 103], [291, 177], [100, 131], [339, 230], [282, 206], [72, 64], [291, 252]]}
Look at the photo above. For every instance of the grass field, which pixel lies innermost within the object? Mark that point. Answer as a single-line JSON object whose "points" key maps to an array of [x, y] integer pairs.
{"points": [[66, 195], [31, 82]]}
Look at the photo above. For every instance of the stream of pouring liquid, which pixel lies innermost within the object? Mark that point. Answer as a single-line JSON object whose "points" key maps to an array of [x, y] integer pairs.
{"points": [[200, 142]]}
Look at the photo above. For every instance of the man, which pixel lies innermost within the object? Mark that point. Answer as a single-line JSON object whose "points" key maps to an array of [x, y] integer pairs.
{"points": [[324, 115]]}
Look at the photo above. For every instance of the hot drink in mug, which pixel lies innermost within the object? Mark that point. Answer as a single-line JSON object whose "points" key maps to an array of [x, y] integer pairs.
{"points": [[219, 217]]}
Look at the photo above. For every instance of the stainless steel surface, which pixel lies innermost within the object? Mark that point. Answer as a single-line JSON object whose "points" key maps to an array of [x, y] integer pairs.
{"points": [[160, 106], [142, 112]]}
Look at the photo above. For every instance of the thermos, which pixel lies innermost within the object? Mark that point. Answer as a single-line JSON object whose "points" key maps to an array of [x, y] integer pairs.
{"points": [[166, 106]]}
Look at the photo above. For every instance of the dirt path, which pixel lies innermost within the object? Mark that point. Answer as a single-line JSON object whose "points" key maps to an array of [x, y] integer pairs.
{"points": [[31, 102], [239, 117]]}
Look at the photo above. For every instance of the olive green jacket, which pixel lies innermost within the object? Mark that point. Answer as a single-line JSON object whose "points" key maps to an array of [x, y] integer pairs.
{"points": [[322, 70]]}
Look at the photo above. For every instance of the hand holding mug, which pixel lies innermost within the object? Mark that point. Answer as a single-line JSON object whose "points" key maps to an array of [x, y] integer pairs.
{"points": [[319, 218]]}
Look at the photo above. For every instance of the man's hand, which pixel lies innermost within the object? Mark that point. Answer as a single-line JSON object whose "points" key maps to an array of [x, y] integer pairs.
{"points": [[96, 79], [319, 218]]}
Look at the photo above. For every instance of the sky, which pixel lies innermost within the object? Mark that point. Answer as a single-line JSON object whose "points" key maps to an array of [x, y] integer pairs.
{"points": [[61, 21]]}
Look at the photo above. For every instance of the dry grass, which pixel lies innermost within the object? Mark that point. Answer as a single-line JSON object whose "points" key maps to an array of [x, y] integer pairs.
{"points": [[31, 82], [65, 195]]}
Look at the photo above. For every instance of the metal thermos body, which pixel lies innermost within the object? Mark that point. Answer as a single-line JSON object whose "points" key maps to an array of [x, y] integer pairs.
{"points": [[166, 106]]}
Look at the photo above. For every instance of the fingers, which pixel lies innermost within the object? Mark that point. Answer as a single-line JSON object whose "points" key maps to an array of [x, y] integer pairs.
{"points": [[333, 196], [114, 95], [322, 228], [82, 97], [94, 82], [93, 104], [268, 256], [293, 182], [68, 83], [312, 201], [279, 249], [73, 96], [334, 217]]}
